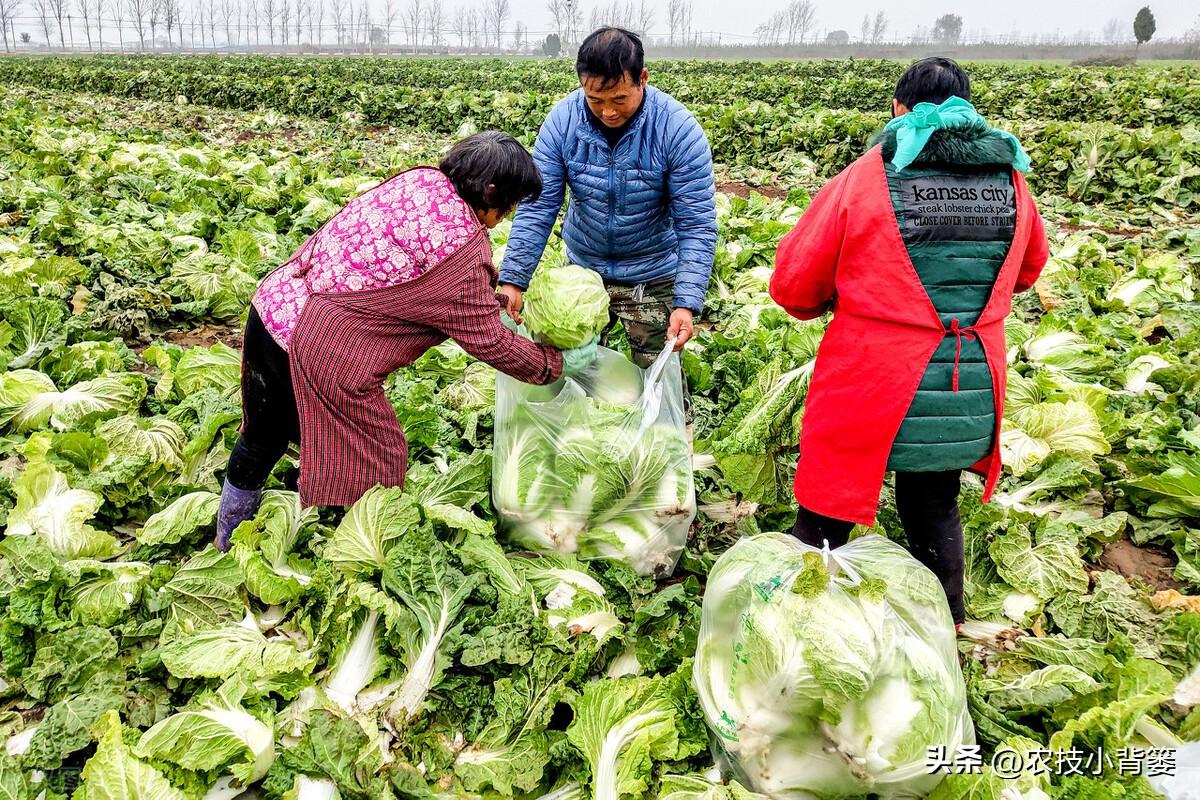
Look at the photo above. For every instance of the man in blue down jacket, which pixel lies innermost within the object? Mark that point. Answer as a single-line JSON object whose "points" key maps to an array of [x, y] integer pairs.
{"points": [[641, 211]]}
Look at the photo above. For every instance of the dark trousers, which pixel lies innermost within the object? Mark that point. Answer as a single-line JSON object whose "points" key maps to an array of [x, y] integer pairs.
{"points": [[269, 417], [928, 506]]}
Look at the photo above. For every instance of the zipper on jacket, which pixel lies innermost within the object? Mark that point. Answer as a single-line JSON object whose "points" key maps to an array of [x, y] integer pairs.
{"points": [[612, 201]]}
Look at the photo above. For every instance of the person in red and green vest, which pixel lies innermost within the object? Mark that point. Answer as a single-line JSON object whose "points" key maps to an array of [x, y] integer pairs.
{"points": [[917, 248]]}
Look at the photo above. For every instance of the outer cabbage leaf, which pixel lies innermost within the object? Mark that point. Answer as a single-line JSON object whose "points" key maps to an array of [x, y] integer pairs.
{"points": [[121, 393], [370, 529], [210, 739], [621, 726], [182, 518], [266, 548], [51, 510], [113, 773], [420, 573]]}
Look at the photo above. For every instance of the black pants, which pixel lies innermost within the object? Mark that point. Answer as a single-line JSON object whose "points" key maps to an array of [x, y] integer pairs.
{"points": [[928, 506], [269, 417]]}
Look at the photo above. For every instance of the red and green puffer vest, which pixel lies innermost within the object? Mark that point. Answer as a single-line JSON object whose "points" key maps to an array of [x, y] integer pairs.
{"points": [[956, 208]]}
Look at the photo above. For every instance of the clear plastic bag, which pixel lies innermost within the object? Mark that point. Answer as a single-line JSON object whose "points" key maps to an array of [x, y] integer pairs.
{"points": [[829, 673], [598, 465]]}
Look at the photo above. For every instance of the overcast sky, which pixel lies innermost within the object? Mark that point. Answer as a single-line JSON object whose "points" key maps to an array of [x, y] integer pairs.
{"points": [[736, 19], [1174, 17]]}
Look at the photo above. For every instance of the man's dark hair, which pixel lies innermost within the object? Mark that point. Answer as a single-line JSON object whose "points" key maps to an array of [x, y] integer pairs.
{"points": [[932, 80], [609, 54], [492, 170]]}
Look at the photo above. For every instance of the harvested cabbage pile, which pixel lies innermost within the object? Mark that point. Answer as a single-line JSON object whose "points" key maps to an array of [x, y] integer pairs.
{"points": [[829, 675], [565, 306], [580, 468]]}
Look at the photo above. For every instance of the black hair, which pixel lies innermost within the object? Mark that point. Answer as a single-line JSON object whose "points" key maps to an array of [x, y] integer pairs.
{"points": [[609, 54], [492, 170], [932, 80]]}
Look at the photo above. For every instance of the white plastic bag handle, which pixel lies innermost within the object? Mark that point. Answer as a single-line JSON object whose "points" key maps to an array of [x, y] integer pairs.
{"points": [[651, 399], [851, 576]]}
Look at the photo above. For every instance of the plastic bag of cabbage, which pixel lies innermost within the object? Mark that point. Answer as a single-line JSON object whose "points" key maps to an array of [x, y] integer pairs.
{"points": [[598, 465], [829, 674]]}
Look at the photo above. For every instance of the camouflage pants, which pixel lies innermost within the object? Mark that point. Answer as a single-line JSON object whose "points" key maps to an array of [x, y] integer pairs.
{"points": [[644, 311]]}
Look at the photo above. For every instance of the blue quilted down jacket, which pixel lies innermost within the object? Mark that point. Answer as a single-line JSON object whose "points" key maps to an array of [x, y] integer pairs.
{"points": [[642, 211]]}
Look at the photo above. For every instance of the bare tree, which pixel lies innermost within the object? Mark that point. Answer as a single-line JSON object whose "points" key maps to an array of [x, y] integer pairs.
{"points": [[413, 18], [771, 31], [558, 16], [496, 12], [685, 20], [519, 37], [800, 18], [675, 17], [45, 14], [879, 27], [228, 12], [8, 12], [645, 17], [616, 14], [460, 23], [249, 21], [362, 23], [286, 10], [270, 11], [173, 14], [476, 21], [118, 12], [139, 11], [100, 7], [435, 21], [1114, 31], [338, 10], [85, 11], [58, 10], [316, 20], [191, 19], [155, 17], [303, 12]]}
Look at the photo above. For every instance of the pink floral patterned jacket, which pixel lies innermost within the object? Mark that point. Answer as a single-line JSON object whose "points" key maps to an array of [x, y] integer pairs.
{"points": [[390, 234]]}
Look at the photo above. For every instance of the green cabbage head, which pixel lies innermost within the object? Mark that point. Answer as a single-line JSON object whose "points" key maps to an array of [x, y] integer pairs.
{"points": [[565, 306]]}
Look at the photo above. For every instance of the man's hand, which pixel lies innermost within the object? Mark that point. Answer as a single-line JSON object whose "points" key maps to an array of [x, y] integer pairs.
{"points": [[680, 327], [515, 300]]}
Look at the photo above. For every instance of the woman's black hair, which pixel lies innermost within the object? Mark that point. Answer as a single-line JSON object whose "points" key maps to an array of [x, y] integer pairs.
{"points": [[610, 54], [492, 170], [932, 80]]}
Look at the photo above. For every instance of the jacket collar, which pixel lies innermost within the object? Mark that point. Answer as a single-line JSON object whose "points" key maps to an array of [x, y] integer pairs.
{"points": [[974, 146]]}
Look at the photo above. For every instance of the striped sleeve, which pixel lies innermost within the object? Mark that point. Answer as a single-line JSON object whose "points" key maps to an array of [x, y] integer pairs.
{"points": [[471, 317]]}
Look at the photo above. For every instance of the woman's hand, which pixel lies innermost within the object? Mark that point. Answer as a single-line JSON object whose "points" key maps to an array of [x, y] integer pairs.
{"points": [[680, 327], [515, 299]]}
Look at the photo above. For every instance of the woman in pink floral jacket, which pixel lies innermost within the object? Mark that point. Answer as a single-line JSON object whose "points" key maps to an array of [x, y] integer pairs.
{"points": [[400, 269]]}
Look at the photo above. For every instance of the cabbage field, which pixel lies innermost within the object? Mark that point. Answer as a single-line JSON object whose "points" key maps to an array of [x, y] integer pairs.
{"points": [[406, 649]]}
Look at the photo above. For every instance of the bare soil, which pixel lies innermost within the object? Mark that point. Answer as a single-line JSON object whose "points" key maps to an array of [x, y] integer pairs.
{"points": [[1129, 232], [1153, 565], [283, 133], [207, 335], [744, 190], [203, 336]]}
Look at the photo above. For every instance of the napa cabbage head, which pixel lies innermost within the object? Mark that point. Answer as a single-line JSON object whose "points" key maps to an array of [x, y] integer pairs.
{"points": [[565, 306]]}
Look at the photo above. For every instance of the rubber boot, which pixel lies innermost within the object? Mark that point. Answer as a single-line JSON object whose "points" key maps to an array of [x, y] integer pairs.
{"points": [[237, 506]]}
